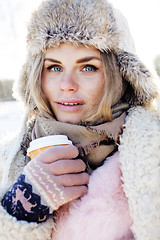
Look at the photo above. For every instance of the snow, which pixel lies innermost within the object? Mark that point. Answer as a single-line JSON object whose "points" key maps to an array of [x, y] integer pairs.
{"points": [[14, 18], [11, 115]]}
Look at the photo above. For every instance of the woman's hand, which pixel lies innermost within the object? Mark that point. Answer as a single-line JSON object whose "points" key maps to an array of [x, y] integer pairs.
{"points": [[56, 176]]}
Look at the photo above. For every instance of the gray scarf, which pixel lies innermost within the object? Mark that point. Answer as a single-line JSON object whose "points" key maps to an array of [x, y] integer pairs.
{"points": [[94, 143]]}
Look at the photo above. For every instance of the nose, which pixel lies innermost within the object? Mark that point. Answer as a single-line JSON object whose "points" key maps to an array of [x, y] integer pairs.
{"points": [[69, 83]]}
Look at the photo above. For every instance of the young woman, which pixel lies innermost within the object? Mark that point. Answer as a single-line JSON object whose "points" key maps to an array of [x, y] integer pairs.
{"points": [[82, 79]]}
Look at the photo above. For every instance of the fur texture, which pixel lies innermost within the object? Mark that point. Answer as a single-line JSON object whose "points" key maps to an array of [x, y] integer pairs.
{"points": [[140, 164], [106, 29], [102, 213], [141, 171], [91, 23]]}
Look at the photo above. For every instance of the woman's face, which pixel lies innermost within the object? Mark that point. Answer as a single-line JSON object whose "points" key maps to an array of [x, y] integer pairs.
{"points": [[72, 81]]}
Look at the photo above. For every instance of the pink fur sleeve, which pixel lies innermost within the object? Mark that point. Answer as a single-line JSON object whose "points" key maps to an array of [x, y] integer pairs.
{"points": [[102, 213]]}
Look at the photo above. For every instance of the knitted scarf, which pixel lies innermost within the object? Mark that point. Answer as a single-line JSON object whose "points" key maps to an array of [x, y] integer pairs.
{"points": [[94, 143]]}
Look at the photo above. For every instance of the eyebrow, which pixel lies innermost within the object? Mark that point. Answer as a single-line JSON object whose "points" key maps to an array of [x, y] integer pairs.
{"points": [[82, 60], [52, 60], [87, 59]]}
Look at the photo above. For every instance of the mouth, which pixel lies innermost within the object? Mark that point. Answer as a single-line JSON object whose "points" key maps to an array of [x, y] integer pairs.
{"points": [[70, 104]]}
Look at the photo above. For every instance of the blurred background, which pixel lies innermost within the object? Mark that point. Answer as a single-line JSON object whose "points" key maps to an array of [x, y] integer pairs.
{"points": [[143, 18]]}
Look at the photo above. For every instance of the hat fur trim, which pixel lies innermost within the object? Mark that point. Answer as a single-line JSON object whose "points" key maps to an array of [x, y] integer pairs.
{"points": [[89, 23]]}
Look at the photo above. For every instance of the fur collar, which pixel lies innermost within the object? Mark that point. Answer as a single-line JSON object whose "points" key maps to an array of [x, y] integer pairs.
{"points": [[140, 162]]}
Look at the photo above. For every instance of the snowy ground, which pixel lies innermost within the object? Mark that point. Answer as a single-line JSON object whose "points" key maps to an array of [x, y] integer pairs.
{"points": [[11, 115]]}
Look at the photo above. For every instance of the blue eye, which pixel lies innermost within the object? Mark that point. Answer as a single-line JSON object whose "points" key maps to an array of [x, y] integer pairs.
{"points": [[55, 68], [89, 68]]}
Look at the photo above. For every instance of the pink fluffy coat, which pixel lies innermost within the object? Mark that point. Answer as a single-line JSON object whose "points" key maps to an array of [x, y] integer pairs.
{"points": [[102, 214]]}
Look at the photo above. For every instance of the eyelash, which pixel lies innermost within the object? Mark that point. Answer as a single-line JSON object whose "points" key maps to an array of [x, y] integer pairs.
{"points": [[53, 66], [90, 66], [86, 66]]}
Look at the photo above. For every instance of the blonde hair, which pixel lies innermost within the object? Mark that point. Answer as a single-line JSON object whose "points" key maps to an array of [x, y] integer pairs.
{"points": [[112, 89], [102, 108], [34, 86]]}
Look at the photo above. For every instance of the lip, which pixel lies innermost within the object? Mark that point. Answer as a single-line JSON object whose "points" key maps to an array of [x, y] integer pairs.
{"points": [[69, 105]]}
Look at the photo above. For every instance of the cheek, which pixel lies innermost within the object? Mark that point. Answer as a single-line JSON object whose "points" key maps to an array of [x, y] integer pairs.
{"points": [[48, 87], [96, 90], [43, 82]]}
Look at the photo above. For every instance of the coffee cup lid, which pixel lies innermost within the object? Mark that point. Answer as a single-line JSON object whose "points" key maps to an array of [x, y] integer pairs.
{"points": [[48, 141]]}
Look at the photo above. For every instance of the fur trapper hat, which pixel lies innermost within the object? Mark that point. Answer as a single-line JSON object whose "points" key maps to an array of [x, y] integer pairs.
{"points": [[91, 23]]}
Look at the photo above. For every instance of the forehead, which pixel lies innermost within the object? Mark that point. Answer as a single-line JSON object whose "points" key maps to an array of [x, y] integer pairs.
{"points": [[71, 51]]}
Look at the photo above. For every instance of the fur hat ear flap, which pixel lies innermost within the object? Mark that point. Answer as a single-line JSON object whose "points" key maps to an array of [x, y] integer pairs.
{"points": [[22, 88], [139, 77], [19, 88]]}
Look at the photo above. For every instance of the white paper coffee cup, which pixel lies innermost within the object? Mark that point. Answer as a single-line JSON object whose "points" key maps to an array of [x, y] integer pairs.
{"points": [[40, 144]]}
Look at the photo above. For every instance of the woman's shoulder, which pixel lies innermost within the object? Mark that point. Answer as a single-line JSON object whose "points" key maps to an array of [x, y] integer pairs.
{"points": [[6, 144], [9, 147], [143, 119], [11, 142], [141, 133], [139, 157]]}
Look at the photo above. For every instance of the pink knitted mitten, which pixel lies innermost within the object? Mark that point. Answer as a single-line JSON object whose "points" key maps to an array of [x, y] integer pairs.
{"points": [[57, 180]]}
